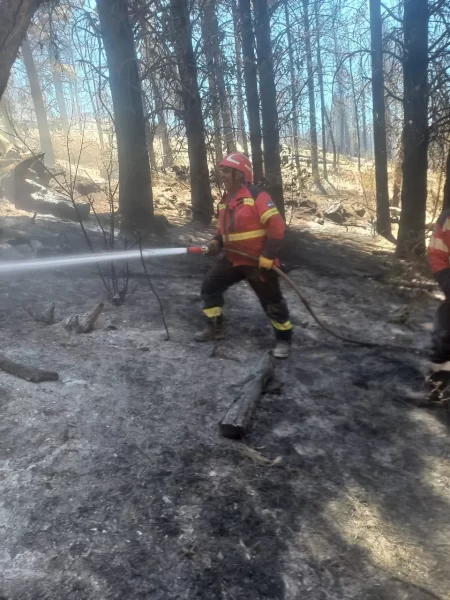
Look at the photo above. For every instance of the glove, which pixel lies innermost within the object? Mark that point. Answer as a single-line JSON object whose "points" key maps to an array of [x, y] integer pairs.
{"points": [[213, 248], [265, 263]]}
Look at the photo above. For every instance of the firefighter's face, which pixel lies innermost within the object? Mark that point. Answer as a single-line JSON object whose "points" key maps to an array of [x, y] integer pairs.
{"points": [[231, 179]]}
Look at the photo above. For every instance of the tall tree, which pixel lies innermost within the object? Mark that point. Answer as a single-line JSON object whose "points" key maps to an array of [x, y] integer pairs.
{"points": [[135, 191], [269, 109], [251, 88], [14, 20], [323, 108], [162, 125], [294, 92], [311, 96], [242, 130], [38, 103], [411, 238], [59, 88], [383, 224], [202, 201], [210, 10], [207, 35]]}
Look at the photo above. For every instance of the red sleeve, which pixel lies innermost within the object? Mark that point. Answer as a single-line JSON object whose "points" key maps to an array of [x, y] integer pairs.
{"points": [[269, 216], [438, 249]]}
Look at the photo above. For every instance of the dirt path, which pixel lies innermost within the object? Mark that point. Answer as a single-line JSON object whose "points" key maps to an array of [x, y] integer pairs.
{"points": [[114, 482]]}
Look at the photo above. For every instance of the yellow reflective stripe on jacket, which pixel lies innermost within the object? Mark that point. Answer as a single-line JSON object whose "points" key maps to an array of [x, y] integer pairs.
{"points": [[248, 235], [283, 326], [249, 201], [269, 213], [216, 311]]}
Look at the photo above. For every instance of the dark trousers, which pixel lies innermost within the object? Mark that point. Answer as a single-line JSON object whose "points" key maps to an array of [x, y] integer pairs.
{"points": [[265, 284], [441, 334]]}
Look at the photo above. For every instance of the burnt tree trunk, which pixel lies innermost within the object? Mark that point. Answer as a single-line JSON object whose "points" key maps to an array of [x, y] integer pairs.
{"points": [[242, 130], [14, 20], [162, 124], [383, 224], [202, 200], [323, 109], [356, 114], [210, 9], [59, 89], [294, 92], [251, 88], [364, 141], [135, 191], [411, 238], [311, 96], [207, 35], [269, 110], [446, 202], [38, 103], [398, 173]]}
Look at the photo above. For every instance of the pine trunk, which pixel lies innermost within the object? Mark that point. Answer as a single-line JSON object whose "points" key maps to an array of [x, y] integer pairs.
{"points": [[356, 116], [162, 124], [202, 201], [364, 140], [269, 110], [210, 8], [242, 130], [311, 96], [135, 191], [379, 121], [251, 89], [59, 89], [398, 174], [207, 35], [323, 109], [38, 103], [294, 92], [411, 238]]}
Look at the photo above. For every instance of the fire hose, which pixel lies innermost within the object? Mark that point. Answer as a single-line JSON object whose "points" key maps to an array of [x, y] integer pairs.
{"points": [[307, 305], [10, 267]]}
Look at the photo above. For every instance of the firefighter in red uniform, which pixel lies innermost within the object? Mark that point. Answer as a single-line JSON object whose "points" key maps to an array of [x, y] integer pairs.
{"points": [[439, 259], [250, 222]]}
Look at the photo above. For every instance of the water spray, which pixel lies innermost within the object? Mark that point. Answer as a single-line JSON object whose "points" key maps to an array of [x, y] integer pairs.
{"points": [[128, 255], [39, 264]]}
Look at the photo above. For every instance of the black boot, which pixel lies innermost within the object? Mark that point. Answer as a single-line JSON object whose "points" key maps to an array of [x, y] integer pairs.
{"points": [[212, 331]]}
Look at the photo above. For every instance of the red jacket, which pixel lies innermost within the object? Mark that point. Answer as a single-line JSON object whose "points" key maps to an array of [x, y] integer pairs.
{"points": [[248, 225], [439, 247]]}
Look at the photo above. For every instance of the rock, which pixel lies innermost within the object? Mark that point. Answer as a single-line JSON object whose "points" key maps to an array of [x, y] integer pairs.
{"points": [[337, 213]]}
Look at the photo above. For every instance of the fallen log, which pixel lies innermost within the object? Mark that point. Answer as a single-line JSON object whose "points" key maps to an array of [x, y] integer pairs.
{"points": [[235, 422], [25, 372], [26, 194]]}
